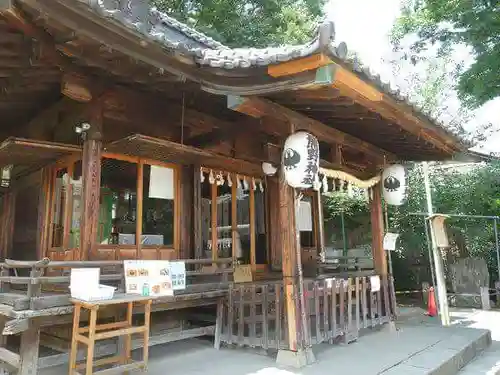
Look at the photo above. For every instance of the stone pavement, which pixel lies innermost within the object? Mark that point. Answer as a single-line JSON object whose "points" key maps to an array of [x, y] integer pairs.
{"points": [[419, 344]]}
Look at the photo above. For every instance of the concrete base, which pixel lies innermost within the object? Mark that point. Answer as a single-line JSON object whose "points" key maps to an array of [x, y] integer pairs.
{"points": [[297, 359]]}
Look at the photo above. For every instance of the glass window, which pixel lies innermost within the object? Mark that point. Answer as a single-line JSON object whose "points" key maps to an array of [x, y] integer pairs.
{"points": [[158, 206], [76, 206], [58, 207], [206, 215], [243, 246], [305, 222], [260, 224], [224, 223], [118, 202]]}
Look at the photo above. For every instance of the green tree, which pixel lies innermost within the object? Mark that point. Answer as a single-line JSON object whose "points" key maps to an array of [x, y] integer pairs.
{"points": [[467, 192], [248, 23], [442, 25]]}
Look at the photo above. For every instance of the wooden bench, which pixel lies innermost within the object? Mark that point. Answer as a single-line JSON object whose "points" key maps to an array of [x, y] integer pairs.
{"points": [[27, 309]]}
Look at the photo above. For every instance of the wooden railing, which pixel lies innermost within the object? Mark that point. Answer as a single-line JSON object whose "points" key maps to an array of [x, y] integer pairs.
{"points": [[31, 291], [344, 264], [336, 309]]}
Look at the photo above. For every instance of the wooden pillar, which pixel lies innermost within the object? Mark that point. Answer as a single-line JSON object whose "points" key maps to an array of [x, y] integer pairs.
{"points": [[7, 217], [186, 212], [274, 230], [287, 240], [91, 163], [28, 353], [197, 240], [377, 221]]}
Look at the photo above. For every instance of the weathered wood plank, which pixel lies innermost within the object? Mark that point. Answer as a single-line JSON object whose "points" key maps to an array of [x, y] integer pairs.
{"points": [[219, 323], [241, 314], [253, 317], [30, 343], [317, 312], [16, 326], [358, 303], [17, 301], [333, 291], [364, 292], [230, 315], [326, 315], [342, 321], [10, 358], [265, 318], [277, 316]]}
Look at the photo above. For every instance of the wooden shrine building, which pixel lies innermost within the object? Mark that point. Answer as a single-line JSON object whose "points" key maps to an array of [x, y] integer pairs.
{"points": [[128, 135]]}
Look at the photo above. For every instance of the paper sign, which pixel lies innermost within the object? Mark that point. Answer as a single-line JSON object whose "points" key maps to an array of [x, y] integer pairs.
{"points": [[84, 278], [305, 217], [161, 183], [375, 283], [390, 241], [243, 274], [154, 277]]}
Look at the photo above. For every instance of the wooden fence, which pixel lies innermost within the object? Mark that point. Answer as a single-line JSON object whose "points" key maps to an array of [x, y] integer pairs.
{"points": [[336, 310]]}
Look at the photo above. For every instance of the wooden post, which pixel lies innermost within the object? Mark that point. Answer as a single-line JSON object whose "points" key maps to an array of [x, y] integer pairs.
{"points": [[7, 218], [198, 246], [186, 209], [274, 230], [139, 211], [289, 262], [377, 221], [91, 163], [30, 341]]}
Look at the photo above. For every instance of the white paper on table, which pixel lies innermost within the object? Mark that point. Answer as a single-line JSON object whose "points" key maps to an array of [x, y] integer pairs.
{"points": [[390, 241], [84, 278], [161, 182], [375, 283]]}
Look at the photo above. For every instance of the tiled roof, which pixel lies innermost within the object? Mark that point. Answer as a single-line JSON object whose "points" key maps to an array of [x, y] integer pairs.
{"points": [[205, 51], [156, 25]]}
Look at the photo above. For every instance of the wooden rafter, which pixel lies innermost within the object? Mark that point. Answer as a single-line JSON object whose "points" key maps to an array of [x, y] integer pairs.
{"points": [[259, 107]]}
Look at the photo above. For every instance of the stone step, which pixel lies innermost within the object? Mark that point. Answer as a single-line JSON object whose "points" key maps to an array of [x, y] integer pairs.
{"points": [[447, 357], [485, 364]]}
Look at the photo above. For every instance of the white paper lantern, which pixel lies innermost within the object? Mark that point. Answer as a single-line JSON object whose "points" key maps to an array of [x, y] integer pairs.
{"points": [[301, 160], [394, 184]]}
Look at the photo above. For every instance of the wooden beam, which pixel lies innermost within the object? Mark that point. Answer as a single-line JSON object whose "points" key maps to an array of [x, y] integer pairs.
{"points": [[298, 65], [258, 107], [211, 138], [16, 18], [41, 126], [347, 80], [365, 94], [377, 223]]}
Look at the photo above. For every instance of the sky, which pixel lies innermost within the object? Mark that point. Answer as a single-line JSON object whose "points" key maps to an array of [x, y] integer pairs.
{"points": [[364, 25]]}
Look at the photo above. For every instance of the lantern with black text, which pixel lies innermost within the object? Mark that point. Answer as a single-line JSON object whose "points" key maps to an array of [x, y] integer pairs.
{"points": [[301, 160], [394, 184]]}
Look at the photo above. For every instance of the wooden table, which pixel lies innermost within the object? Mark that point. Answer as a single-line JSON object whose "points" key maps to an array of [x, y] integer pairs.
{"points": [[88, 335]]}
